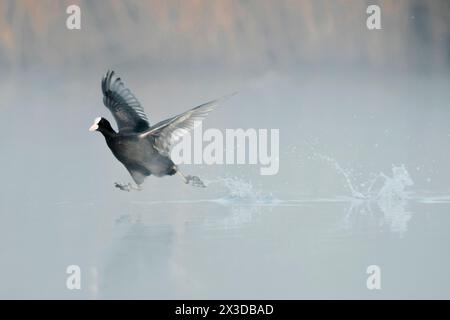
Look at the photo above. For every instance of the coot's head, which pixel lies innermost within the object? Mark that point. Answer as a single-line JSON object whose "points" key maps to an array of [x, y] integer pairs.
{"points": [[102, 125]]}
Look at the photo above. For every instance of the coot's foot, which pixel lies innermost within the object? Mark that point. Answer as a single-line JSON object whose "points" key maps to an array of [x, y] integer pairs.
{"points": [[122, 186], [195, 181], [127, 187], [192, 180]]}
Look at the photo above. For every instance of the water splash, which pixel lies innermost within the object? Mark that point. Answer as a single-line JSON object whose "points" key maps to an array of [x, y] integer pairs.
{"points": [[392, 198], [345, 173], [239, 216], [243, 200], [394, 188], [240, 191], [381, 201], [390, 201], [391, 188]]}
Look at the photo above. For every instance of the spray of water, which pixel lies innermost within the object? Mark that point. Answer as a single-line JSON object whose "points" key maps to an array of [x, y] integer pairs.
{"points": [[240, 191], [388, 192], [395, 187], [390, 188], [345, 174]]}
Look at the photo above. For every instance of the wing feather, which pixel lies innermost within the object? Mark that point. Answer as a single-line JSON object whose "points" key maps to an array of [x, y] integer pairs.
{"points": [[168, 132], [124, 106]]}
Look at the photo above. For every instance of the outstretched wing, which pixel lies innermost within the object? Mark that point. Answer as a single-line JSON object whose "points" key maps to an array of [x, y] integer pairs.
{"points": [[168, 132], [124, 106]]}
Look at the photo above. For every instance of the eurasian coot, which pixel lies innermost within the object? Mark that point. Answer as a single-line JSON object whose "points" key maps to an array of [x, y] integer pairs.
{"points": [[143, 149]]}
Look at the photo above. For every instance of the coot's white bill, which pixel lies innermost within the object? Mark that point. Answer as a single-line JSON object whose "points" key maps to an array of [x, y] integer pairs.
{"points": [[94, 127]]}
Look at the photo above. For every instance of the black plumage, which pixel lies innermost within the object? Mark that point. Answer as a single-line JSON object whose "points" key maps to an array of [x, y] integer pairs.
{"points": [[144, 150]]}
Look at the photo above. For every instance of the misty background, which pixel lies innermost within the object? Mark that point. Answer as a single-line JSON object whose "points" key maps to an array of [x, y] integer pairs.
{"points": [[350, 103], [239, 35]]}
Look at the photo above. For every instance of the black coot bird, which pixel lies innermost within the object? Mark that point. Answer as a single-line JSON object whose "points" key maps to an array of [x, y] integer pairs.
{"points": [[143, 149]]}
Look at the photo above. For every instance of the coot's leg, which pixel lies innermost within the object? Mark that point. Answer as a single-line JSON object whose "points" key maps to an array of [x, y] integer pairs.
{"points": [[182, 176], [137, 187]]}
